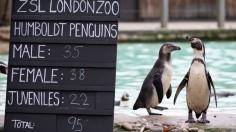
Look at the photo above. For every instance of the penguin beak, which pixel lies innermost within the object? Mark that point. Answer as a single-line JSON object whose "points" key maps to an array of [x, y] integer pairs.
{"points": [[189, 38], [175, 48]]}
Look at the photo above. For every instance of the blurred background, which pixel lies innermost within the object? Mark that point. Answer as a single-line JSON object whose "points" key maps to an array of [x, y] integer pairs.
{"points": [[144, 25]]}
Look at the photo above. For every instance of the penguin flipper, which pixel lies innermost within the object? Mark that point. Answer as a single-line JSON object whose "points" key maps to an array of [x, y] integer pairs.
{"points": [[209, 79], [158, 85], [181, 86], [117, 103], [169, 92]]}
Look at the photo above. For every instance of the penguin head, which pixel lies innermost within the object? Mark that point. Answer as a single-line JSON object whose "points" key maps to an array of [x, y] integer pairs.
{"points": [[125, 97], [197, 45], [168, 47]]}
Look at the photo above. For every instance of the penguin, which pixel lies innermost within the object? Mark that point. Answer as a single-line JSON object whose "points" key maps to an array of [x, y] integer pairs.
{"points": [[3, 68], [199, 82], [157, 83], [223, 94], [124, 101]]}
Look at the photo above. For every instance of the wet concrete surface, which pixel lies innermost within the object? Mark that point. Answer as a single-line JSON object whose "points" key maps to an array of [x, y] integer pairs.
{"points": [[218, 122]]}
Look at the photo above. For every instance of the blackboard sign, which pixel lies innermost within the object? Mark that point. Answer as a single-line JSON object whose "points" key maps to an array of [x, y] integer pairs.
{"points": [[62, 66]]}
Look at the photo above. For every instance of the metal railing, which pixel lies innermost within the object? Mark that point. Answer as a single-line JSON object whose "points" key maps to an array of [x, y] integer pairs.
{"points": [[220, 13]]}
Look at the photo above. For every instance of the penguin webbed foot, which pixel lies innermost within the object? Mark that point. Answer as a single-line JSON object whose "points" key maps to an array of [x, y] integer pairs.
{"points": [[160, 108], [154, 113], [150, 113], [190, 117], [190, 120], [203, 119]]}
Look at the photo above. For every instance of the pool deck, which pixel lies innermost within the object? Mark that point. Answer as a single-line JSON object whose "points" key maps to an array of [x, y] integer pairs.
{"points": [[174, 26], [152, 31]]}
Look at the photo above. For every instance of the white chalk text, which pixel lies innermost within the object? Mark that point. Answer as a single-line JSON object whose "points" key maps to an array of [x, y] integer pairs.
{"points": [[103, 7], [20, 124], [33, 75], [54, 29], [33, 98]]}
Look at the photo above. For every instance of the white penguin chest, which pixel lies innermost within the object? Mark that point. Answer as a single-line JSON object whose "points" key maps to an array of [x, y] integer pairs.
{"points": [[166, 77], [124, 103], [198, 93]]}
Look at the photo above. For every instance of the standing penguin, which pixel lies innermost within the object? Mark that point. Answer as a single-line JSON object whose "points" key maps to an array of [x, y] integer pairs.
{"points": [[3, 68], [199, 83], [157, 83]]}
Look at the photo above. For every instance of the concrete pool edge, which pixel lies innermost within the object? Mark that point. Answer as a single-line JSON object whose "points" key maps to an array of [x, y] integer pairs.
{"points": [[176, 31], [175, 35]]}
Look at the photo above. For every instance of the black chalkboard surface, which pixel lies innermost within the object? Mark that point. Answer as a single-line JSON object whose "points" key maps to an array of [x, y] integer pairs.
{"points": [[63, 54], [62, 66]]}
